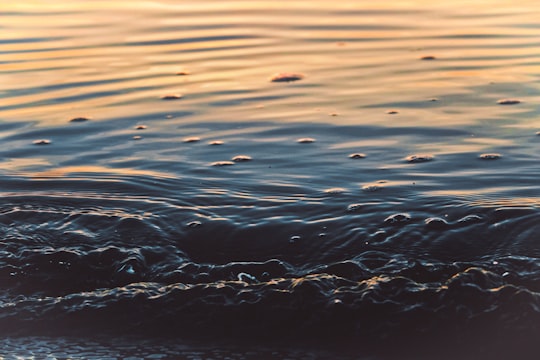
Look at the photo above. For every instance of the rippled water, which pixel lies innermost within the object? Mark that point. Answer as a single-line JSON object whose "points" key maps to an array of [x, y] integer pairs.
{"points": [[380, 200]]}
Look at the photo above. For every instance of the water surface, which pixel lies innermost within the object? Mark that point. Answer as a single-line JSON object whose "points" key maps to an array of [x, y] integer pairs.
{"points": [[157, 183]]}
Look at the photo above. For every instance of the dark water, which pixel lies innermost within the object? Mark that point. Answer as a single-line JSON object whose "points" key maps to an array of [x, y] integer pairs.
{"points": [[384, 204]]}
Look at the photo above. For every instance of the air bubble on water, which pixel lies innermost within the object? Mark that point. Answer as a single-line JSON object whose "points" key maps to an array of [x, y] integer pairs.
{"points": [[428, 57], [241, 158], [191, 139], [392, 112], [80, 119], [335, 190], [436, 223], [357, 156], [306, 140], [42, 142], [286, 77], [398, 218], [419, 158], [140, 127], [354, 207], [194, 224], [222, 163], [136, 137], [490, 156], [216, 142], [508, 101], [171, 97], [294, 238], [182, 73]]}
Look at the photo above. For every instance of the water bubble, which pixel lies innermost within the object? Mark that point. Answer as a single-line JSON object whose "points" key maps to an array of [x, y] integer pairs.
{"points": [[294, 238], [354, 207], [306, 140], [191, 139], [371, 187], [140, 127], [222, 163], [136, 137], [336, 190], [428, 57], [216, 142], [286, 77], [436, 223], [357, 156], [194, 224], [490, 156], [470, 219], [41, 142], [171, 97], [392, 112], [398, 218], [80, 119], [509, 102], [418, 158], [241, 158]]}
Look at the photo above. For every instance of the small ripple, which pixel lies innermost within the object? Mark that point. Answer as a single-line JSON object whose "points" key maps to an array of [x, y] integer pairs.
{"points": [[357, 156], [140, 127], [428, 57], [335, 190], [41, 142], [80, 119], [222, 163], [436, 223], [172, 97], [241, 158], [191, 139], [306, 140], [216, 142], [398, 218]]}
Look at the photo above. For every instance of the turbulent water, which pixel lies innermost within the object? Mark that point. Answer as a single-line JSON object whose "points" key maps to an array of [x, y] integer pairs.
{"points": [[158, 184]]}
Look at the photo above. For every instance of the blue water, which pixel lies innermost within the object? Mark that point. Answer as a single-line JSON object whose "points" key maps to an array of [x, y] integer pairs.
{"points": [[158, 187]]}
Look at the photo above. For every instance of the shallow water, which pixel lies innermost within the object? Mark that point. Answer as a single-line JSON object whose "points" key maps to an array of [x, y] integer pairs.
{"points": [[157, 182]]}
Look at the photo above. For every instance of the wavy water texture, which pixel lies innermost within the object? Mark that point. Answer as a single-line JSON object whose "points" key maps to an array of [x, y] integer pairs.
{"points": [[156, 182]]}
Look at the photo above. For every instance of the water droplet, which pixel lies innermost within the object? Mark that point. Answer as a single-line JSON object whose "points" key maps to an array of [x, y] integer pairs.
{"points": [[357, 156], [42, 142], [509, 102], [222, 163], [392, 112], [306, 140], [241, 158], [140, 127], [216, 142], [418, 158], [286, 77], [80, 119], [191, 139], [136, 137], [490, 156], [428, 57], [171, 97], [398, 218]]}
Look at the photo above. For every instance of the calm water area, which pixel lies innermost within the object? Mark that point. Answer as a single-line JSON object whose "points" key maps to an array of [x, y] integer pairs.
{"points": [[261, 179]]}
